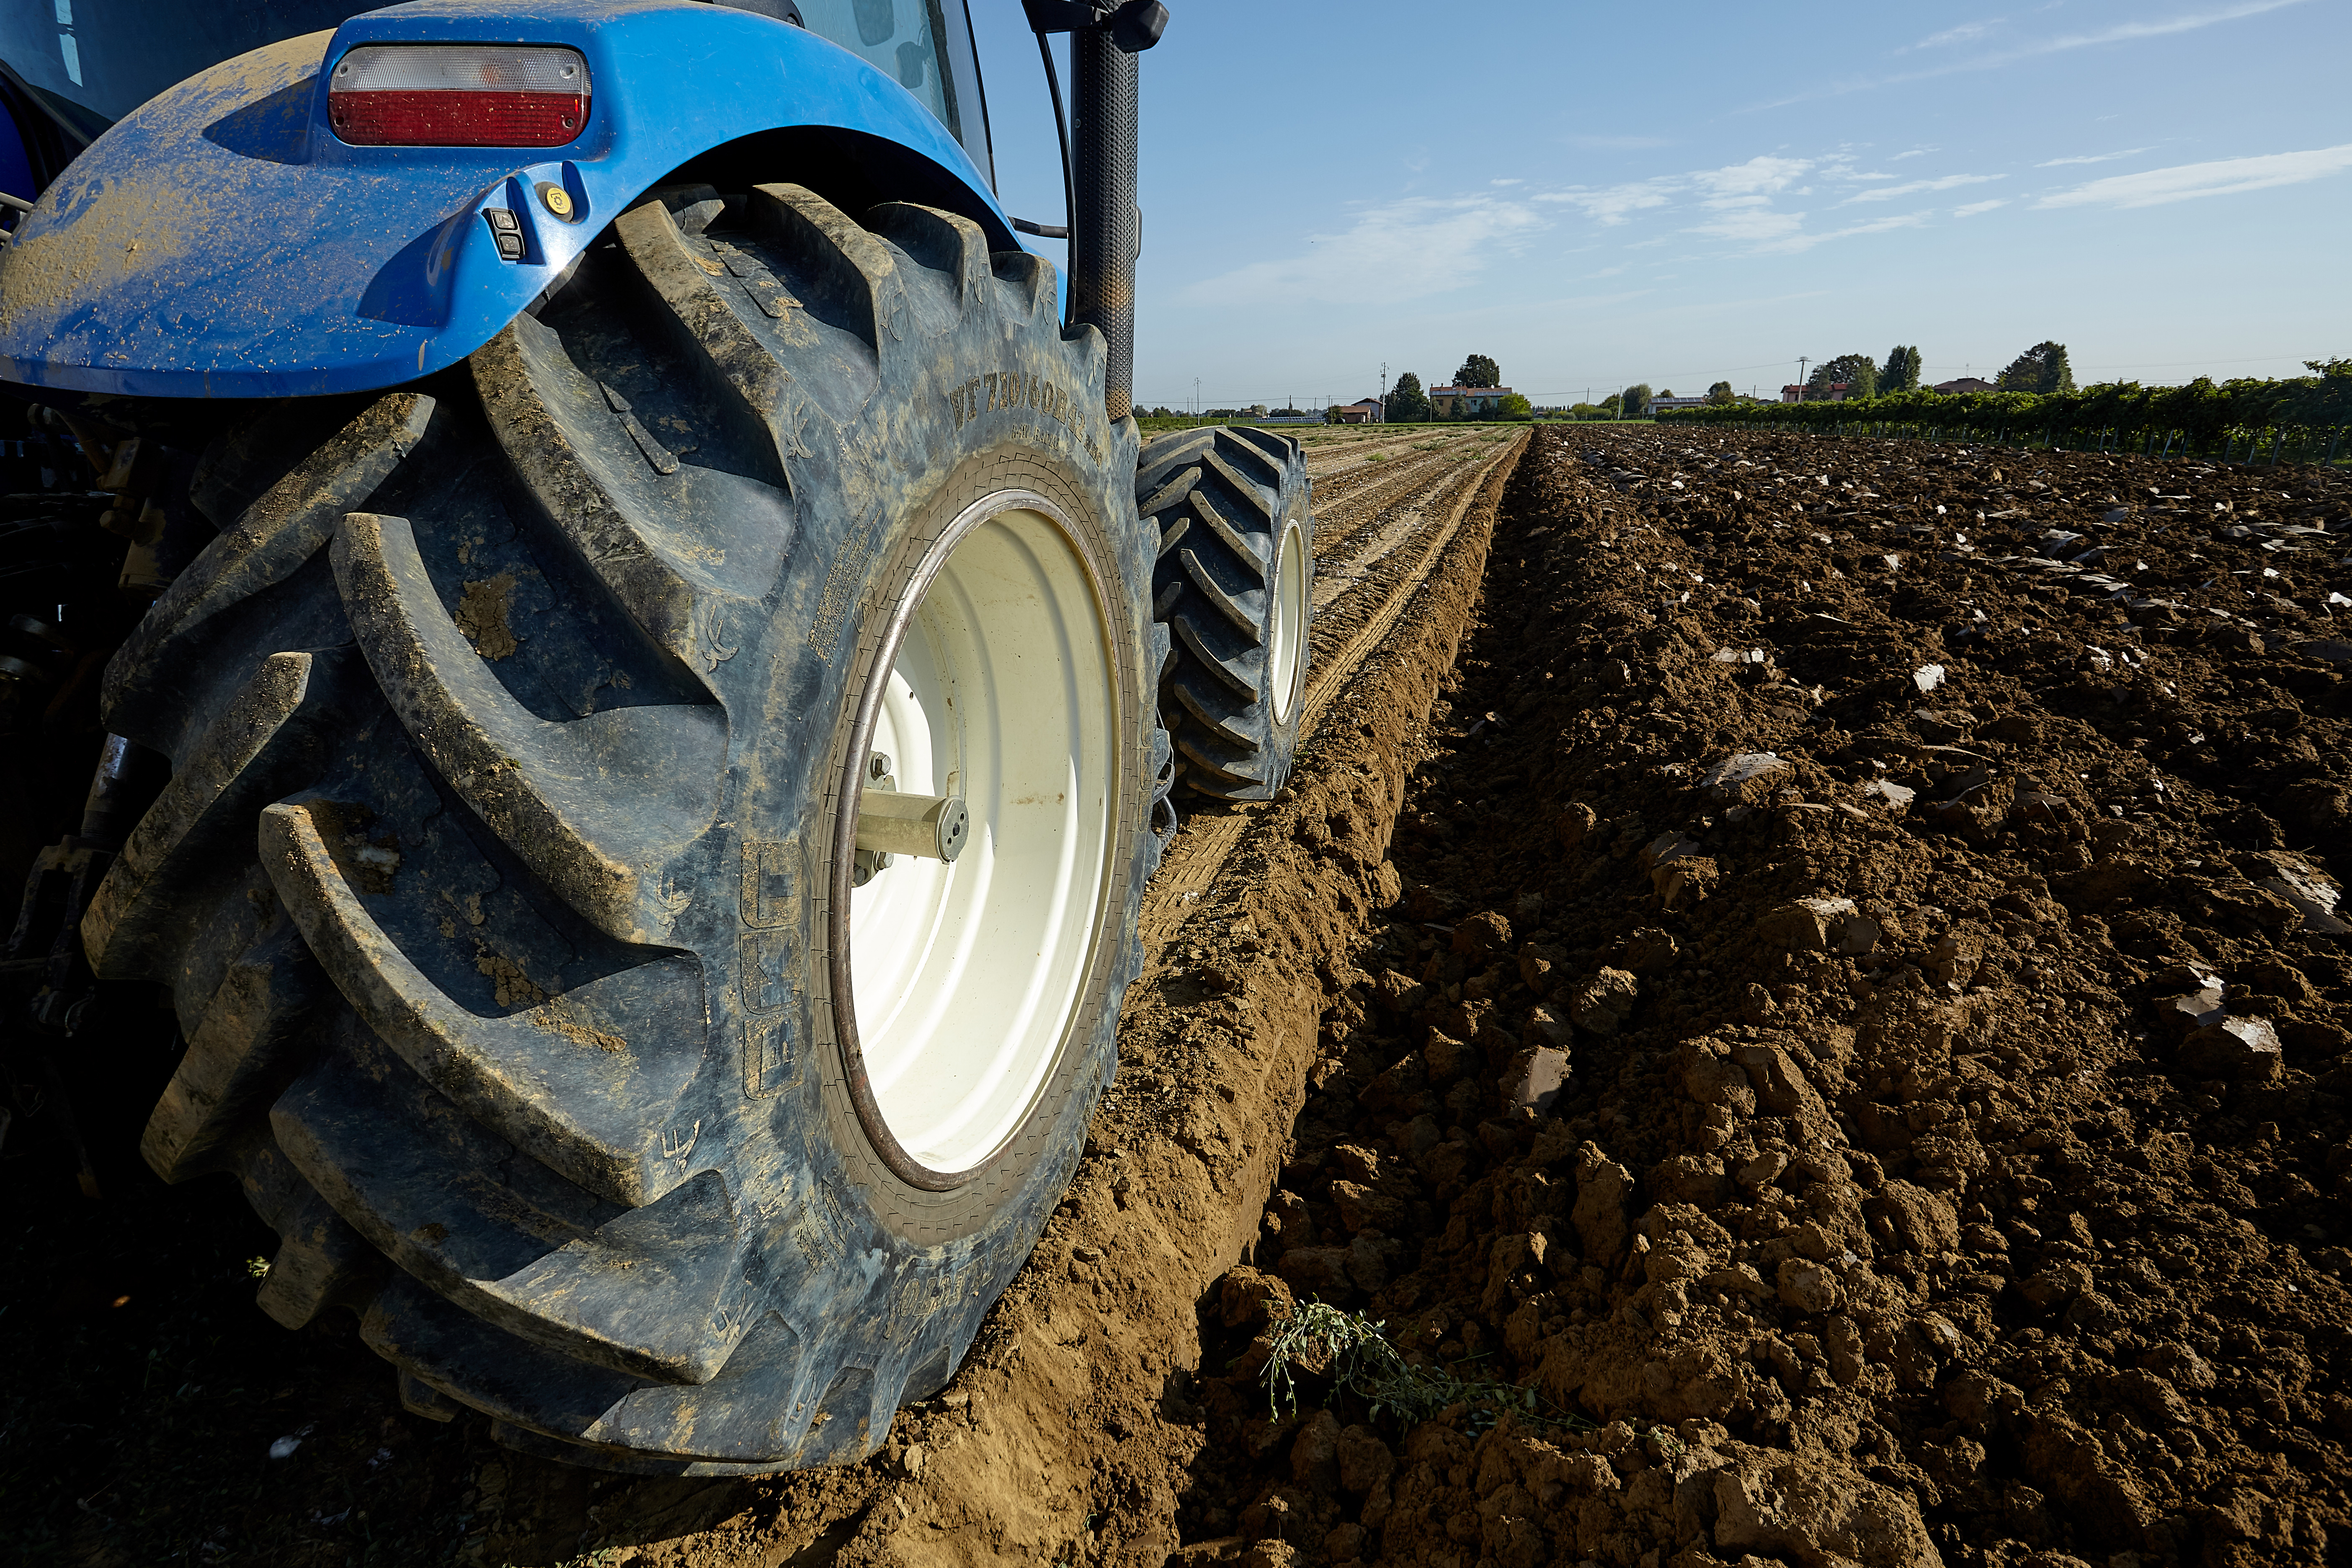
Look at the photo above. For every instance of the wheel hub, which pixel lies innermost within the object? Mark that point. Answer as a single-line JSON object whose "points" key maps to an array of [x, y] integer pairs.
{"points": [[984, 839]]}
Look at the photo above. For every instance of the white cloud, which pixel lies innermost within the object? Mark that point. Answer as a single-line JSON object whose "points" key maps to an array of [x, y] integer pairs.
{"points": [[2094, 158], [1946, 183], [1615, 204], [2125, 32], [1965, 33], [1739, 183], [1409, 249], [1757, 177], [2186, 182], [2122, 32], [1752, 224], [1914, 152], [1739, 202], [1796, 243], [1975, 208]]}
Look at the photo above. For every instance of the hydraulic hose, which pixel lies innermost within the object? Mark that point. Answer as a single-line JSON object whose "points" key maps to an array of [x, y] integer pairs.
{"points": [[1062, 135]]}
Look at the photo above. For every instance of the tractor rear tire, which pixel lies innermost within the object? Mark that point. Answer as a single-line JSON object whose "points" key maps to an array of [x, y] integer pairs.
{"points": [[1234, 583], [507, 879]]}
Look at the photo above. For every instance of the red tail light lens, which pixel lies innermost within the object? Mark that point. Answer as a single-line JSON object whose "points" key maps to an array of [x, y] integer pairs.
{"points": [[458, 95]]}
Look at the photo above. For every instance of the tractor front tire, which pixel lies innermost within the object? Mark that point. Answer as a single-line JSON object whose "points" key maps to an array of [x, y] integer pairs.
{"points": [[509, 885]]}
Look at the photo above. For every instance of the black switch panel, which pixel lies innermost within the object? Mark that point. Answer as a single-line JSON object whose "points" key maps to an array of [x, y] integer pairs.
{"points": [[507, 230]]}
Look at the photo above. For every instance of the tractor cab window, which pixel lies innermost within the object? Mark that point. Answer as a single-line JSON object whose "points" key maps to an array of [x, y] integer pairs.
{"points": [[88, 63], [906, 39]]}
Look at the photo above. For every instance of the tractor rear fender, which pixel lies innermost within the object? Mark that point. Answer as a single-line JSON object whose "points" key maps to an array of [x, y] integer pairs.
{"points": [[221, 240]]}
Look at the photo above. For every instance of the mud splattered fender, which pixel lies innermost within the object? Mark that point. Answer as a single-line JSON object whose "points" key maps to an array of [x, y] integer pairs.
{"points": [[221, 241]]}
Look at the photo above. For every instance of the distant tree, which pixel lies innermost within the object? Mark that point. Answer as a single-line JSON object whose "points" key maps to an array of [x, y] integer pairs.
{"points": [[1901, 371], [1478, 371], [1634, 400], [1612, 405], [1666, 391], [1514, 406], [1859, 373], [2331, 369], [1720, 393], [1407, 403], [2041, 368]]}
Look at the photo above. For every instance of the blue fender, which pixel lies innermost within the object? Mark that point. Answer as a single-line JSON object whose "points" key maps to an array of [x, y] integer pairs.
{"points": [[221, 241]]}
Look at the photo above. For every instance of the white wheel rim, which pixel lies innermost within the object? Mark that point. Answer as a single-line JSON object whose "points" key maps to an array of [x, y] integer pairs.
{"points": [[1284, 665], [964, 978]]}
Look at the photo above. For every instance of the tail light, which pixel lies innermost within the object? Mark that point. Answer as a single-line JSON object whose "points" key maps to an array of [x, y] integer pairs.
{"points": [[458, 95]]}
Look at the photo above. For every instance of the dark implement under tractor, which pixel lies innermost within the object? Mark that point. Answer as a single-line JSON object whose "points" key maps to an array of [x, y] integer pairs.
{"points": [[628, 664]]}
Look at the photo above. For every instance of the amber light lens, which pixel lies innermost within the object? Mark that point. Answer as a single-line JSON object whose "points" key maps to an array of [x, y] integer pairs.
{"points": [[458, 95]]}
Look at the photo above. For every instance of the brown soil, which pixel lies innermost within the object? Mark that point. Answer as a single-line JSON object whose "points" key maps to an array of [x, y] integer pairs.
{"points": [[1967, 1247]]}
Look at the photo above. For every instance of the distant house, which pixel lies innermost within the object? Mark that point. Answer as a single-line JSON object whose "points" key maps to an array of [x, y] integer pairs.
{"points": [[1368, 412], [1658, 404], [1798, 392], [1965, 384], [1455, 401]]}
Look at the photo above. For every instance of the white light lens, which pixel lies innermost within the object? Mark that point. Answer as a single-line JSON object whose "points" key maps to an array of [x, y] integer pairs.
{"points": [[460, 68]]}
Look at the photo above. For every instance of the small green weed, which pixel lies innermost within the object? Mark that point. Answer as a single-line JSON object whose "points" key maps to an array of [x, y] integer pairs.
{"points": [[1356, 1355]]}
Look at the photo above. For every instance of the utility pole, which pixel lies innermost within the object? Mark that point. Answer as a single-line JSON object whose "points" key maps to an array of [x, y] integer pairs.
{"points": [[1384, 392], [1196, 397], [1801, 362]]}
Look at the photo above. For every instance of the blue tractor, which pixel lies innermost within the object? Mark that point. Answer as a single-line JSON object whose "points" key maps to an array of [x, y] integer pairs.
{"points": [[635, 663]]}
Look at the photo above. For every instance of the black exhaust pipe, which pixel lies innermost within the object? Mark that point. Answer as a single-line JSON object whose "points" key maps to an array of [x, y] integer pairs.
{"points": [[1103, 246], [1105, 228]]}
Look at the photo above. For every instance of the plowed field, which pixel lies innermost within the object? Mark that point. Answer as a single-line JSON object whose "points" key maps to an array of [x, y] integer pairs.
{"points": [[1796, 981], [1919, 859]]}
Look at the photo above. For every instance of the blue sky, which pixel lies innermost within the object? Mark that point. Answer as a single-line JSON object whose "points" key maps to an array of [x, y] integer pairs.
{"points": [[1597, 195]]}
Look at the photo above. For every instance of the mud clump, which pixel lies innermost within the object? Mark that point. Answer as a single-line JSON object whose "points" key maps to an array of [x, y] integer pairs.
{"points": [[481, 616], [1925, 877]]}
